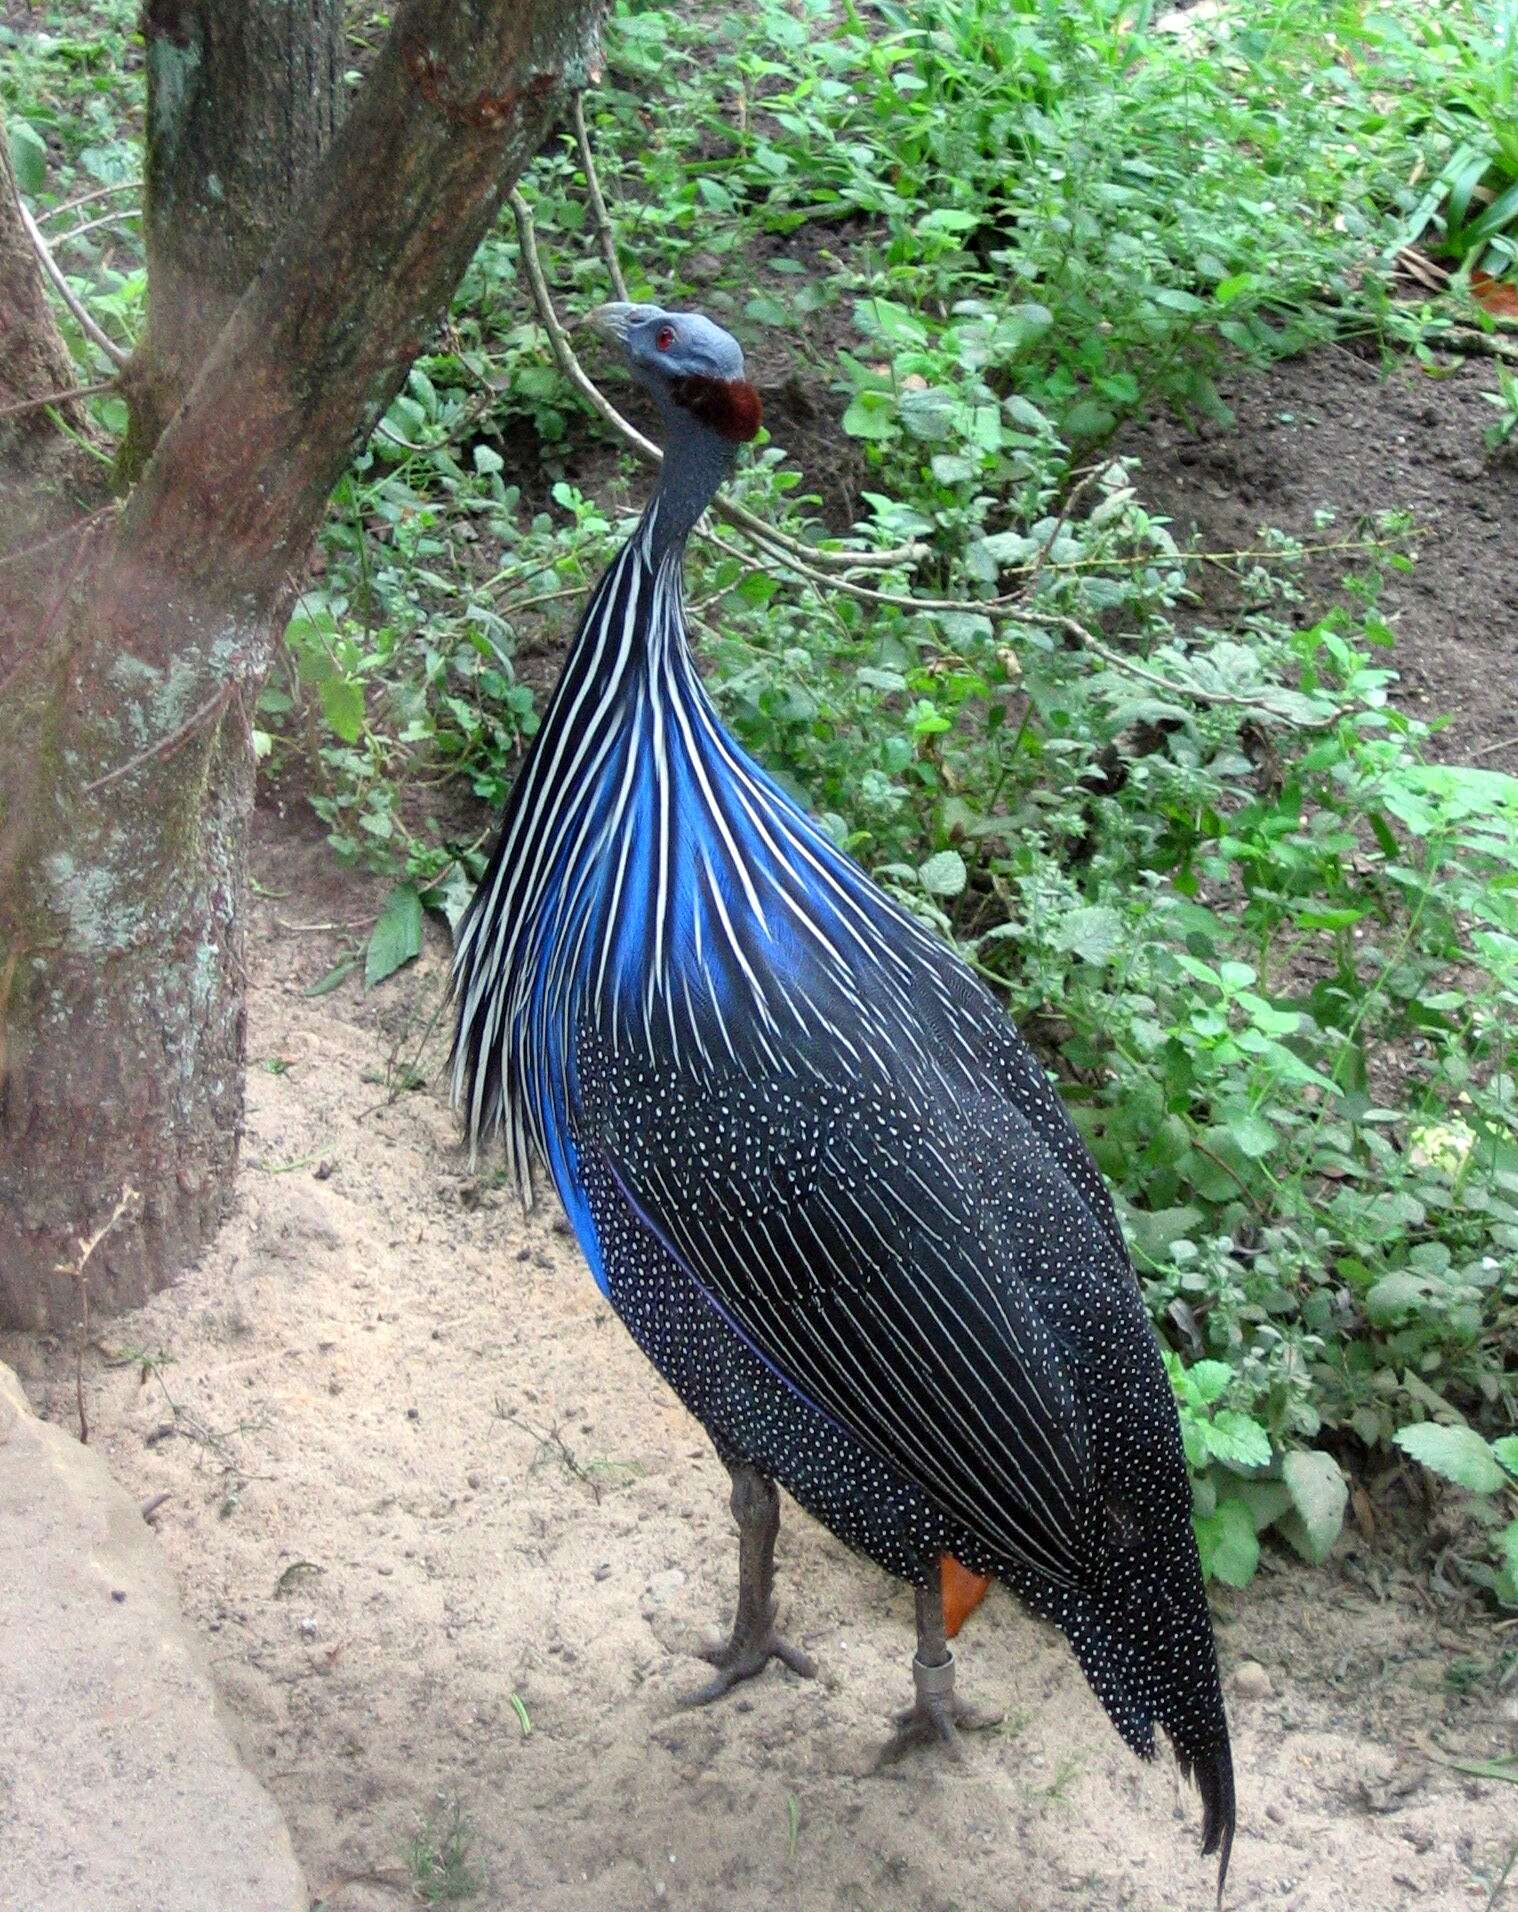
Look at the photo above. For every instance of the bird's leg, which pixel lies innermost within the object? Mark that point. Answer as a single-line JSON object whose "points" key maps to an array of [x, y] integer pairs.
{"points": [[938, 1713], [754, 1642]]}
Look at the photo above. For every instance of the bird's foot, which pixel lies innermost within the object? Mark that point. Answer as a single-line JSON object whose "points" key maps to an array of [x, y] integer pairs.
{"points": [[748, 1652], [937, 1717]]}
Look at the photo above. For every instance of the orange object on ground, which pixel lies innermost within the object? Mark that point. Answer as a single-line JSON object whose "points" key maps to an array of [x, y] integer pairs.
{"points": [[963, 1592]]}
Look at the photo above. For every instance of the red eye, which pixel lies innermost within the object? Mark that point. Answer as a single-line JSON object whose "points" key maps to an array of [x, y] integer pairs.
{"points": [[664, 338]]}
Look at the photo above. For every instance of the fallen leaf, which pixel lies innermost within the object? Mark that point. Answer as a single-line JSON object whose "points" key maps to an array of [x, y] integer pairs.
{"points": [[1497, 296]]}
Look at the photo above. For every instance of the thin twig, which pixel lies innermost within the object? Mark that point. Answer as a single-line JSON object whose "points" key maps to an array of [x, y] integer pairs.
{"points": [[551, 1442], [92, 225], [1491, 750], [311, 929], [57, 398], [544, 597], [1233, 700], [80, 526], [85, 199], [1019, 613], [56, 538], [65, 291], [598, 210], [75, 1270], [570, 366], [211, 706]]}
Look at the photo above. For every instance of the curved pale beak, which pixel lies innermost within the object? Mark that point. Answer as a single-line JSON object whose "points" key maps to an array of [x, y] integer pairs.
{"points": [[616, 320]]}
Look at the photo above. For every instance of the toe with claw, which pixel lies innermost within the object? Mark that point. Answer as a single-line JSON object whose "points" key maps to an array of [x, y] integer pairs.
{"points": [[937, 1717], [743, 1656]]}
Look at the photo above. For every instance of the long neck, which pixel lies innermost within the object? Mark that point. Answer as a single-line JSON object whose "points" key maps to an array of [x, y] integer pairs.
{"points": [[697, 461]]}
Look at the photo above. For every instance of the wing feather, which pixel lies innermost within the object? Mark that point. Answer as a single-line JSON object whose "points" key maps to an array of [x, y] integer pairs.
{"points": [[859, 1250]]}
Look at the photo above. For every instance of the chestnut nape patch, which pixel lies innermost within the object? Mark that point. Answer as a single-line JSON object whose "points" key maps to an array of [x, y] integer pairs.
{"points": [[730, 406]]}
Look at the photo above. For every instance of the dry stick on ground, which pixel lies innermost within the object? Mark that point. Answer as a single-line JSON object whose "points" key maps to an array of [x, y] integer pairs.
{"points": [[572, 369], [1463, 338], [599, 215], [75, 1271]]}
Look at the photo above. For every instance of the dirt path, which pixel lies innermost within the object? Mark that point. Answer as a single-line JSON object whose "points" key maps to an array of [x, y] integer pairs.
{"points": [[425, 1494]]}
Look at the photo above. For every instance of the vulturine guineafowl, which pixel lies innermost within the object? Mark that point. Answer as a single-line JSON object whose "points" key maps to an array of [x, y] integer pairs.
{"points": [[813, 1167]]}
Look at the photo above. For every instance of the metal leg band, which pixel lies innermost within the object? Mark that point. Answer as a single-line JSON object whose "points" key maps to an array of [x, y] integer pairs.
{"points": [[933, 1682]]}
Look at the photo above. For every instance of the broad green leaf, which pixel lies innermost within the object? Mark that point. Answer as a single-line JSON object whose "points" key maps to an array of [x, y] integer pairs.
{"points": [[343, 706], [1238, 1439], [929, 414], [944, 874], [1228, 1545], [871, 415], [1254, 1135], [1093, 932], [450, 898], [397, 937], [1395, 1296], [1458, 1453], [28, 156], [1319, 1495], [1506, 1451], [948, 219], [1208, 1380]]}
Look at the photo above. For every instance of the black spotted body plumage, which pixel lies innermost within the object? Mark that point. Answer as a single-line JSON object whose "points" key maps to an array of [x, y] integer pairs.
{"points": [[820, 1177]]}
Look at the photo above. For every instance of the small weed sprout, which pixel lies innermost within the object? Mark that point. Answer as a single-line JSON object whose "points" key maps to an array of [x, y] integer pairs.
{"points": [[438, 1858]]}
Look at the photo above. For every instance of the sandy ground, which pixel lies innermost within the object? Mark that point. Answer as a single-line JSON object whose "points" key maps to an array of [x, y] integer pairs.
{"points": [[453, 1541]]}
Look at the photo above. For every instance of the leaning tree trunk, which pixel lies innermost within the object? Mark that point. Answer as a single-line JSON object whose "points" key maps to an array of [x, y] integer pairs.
{"points": [[125, 749], [243, 99]]}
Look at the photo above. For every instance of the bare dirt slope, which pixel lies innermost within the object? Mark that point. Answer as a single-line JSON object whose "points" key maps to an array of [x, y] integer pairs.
{"points": [[1332, 431], [424, 1492]]}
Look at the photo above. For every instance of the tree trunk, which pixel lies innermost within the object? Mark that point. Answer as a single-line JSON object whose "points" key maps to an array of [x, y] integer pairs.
{"points": [[125, 750], [243, 99], [40, 470]]}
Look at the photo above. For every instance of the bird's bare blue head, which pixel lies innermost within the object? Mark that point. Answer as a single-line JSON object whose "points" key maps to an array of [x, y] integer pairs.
{"points": [[694, 371]]}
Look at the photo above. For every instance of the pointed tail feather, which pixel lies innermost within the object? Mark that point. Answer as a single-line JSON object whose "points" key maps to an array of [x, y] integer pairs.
{"points": [[1213, 1773]]}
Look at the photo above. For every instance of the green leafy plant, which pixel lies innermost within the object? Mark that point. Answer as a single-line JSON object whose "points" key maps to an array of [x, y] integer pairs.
{"points": [[1488, 1471], [1505, 399], [1464, 64]]}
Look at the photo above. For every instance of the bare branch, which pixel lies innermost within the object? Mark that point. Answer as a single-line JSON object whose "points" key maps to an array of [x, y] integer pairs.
{"points": [[166, 745], [57, 398], [599, 215], [65, 291], [85, 199], [91, 225]]}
